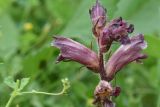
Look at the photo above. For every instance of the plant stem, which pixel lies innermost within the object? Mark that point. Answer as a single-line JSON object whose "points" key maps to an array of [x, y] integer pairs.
{"points": [[101, 64], [14, 94], [17, 91], [10, 99], [45, 93]]}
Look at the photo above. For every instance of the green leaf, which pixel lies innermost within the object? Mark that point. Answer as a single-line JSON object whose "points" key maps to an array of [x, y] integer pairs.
{"points": [[10, 82], [8, 37], [24, 82]]}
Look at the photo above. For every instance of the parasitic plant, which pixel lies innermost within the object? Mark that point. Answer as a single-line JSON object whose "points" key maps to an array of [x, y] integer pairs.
{"points": [[106, 32]]}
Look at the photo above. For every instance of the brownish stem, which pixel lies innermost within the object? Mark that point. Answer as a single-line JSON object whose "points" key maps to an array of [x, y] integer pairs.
{"points": [[101, 64]]}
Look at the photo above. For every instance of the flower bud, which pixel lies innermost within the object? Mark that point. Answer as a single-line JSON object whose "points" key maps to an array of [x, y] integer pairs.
{"points": [[116, 91], [98, 17], [103, 90], [75, 51]]}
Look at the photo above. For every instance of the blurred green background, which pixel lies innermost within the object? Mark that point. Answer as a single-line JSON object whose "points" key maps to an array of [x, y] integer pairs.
{"points": [[26, 30]]}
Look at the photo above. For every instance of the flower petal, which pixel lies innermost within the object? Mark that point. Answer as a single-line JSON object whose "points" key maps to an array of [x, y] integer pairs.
{"points": [[126, 54], [75, 51]]}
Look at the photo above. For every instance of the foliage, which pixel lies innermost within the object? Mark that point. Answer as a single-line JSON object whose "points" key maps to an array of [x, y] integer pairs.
{"points": [[26, 29], [20, 84]]}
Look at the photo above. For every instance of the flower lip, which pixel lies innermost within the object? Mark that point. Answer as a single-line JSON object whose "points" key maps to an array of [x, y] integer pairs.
{"points": [[75, 51]]}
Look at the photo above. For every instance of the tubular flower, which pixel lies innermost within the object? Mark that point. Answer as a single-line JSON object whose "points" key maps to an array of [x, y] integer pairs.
{"points": [[117, 30], [75, 51], [126, 54]]}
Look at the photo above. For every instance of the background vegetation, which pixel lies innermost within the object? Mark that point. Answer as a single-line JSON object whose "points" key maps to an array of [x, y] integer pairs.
{"points": [[26, 30]]}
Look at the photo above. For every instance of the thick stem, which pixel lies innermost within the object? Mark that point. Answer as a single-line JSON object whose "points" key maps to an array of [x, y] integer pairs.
{"points": [[101, 64]]}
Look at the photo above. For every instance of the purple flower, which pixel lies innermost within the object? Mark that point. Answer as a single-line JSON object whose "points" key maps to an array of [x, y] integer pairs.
{"points": [[75, 51], [98, 17], [126, 54], [103, 89], [102, 94], [117, 30]]}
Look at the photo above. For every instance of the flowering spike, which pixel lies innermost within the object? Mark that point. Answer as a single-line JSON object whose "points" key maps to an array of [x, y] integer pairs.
{"points": [[106, 32], [75, 51], [125, 54]]}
